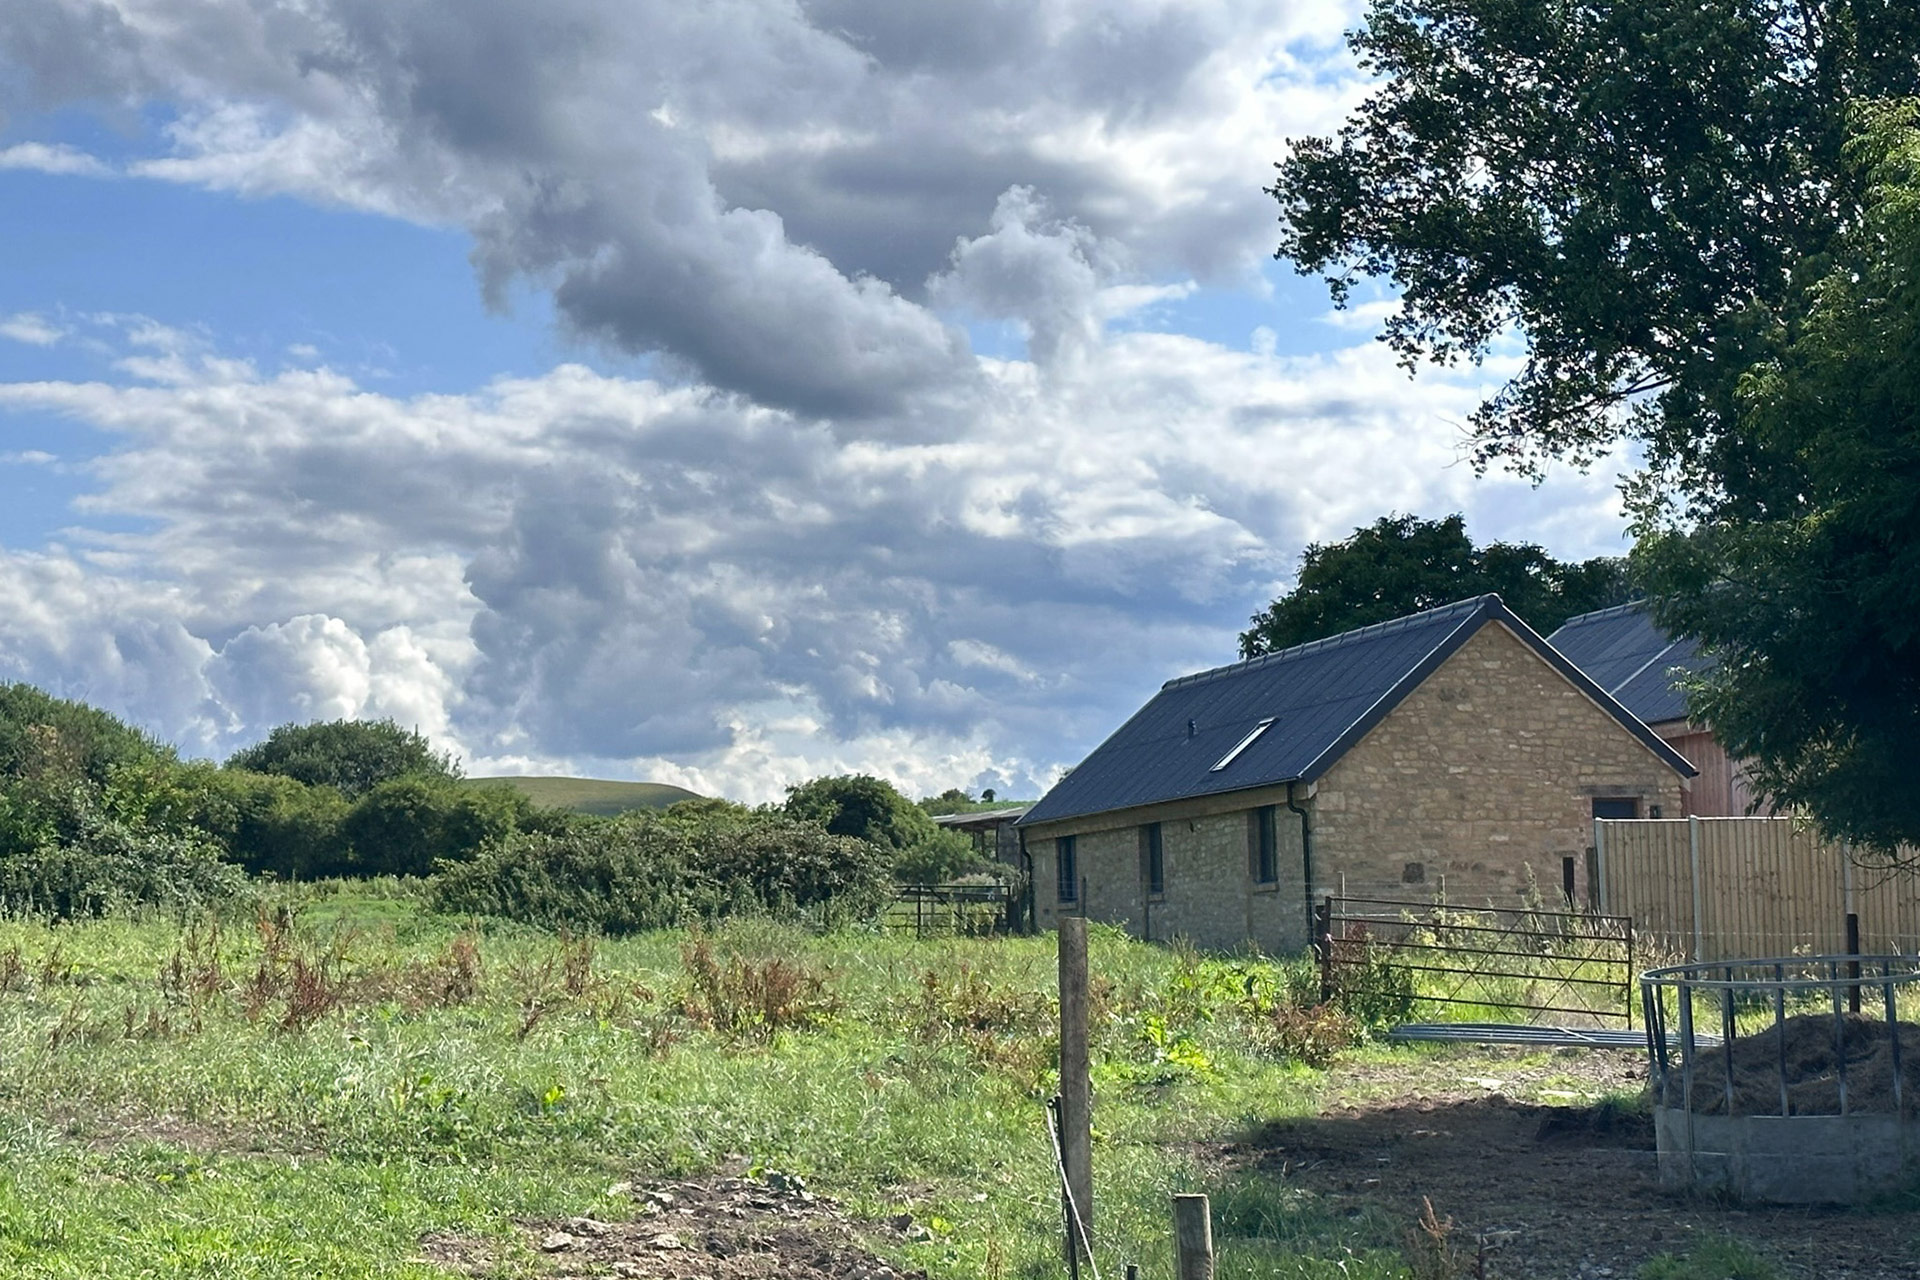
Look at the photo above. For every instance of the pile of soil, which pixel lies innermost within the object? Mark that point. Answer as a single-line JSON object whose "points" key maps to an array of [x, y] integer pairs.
{"points": [[716, 1229], [1816, 1046]]}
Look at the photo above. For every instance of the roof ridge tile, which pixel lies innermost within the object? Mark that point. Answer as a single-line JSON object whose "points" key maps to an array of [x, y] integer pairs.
{"points": [[1461, 608]]}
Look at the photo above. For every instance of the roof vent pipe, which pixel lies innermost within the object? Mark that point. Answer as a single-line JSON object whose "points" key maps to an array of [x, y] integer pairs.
{"points": [[1191, 729]]}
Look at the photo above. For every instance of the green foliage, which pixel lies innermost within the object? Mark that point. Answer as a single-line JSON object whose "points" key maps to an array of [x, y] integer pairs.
{"points": [[1403, 564], [941, 858], [353, 755], [1639, 191], [862, 806], [872, 809], [274, 825], [94, 816], [1801, 570], [41, 733], [643, 871], [405, 826], [89, 862], [793, 868], [1371, 985]]}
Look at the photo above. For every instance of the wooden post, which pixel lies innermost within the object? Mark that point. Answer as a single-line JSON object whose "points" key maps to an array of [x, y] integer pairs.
{"points": [[1076, 1086], [1853, 965], [1323, 948], [1693, 860], [1192, 1238]]}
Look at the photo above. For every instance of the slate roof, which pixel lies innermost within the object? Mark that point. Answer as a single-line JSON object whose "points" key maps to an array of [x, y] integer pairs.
{"points": [[1629, 656], [1321, 699]]}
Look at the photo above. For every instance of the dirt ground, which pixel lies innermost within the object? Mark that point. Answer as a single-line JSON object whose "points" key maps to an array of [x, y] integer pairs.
{"points": [[723, 1228], [1513, 1148]]}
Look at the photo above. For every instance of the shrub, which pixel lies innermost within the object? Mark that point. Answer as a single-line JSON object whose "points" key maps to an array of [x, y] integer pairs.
{"points": [[93, 863], [617, 875], [1313, 1034], [274, 825], [941, 858], [39, 732], [862, 806], [353, 755], [404, 826], [641, 871], [789, 868]]}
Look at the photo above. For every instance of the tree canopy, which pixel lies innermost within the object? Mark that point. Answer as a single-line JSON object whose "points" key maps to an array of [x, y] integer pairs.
{"points": [[1696, 218], [862, 806], [353, 755], [1401, 564], [1803, 575], [1640, 191]]}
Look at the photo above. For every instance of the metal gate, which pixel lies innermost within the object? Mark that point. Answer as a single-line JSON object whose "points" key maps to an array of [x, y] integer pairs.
{"points": [[950, 910], [1490, 965]]}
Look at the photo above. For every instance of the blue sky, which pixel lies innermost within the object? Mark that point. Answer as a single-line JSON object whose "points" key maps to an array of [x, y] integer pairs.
{"points": [[723, 399]]}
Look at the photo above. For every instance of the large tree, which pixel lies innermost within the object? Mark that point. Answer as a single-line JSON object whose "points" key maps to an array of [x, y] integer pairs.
{"points": [[1401, 564], [1668, 205], [353, 755], [1803, 575], [1640, 190]]}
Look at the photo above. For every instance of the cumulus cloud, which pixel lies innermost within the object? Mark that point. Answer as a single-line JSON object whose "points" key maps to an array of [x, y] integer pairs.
{"points": [[827, 535], [759, 191], [625, 574]]}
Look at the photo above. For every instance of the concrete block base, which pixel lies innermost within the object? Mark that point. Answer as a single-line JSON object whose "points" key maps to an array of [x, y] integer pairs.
{"points": [[1787, 1159]]}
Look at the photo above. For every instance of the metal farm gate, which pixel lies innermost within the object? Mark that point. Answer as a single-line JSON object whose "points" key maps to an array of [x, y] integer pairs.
{"points": [[1506, 969], [951, 910]]}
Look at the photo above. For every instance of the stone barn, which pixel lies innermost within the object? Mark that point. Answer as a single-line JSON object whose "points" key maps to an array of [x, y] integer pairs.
{"points": [[1452, 750]]}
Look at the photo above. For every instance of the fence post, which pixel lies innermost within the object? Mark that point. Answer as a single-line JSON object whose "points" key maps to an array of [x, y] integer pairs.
{"points": [[1192, 1238], [1076, 1089], [1693, 857], [1853, 965], [1323, 947]]}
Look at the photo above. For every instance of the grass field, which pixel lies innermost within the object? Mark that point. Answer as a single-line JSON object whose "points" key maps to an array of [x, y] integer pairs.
{"points": [[327, 1087], [313, 1098], [593, 795]]}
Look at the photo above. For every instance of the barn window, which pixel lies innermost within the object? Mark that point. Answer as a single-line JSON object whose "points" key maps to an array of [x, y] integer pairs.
{"points": [[1153, 859], [1266, 845], [1068, 867]]}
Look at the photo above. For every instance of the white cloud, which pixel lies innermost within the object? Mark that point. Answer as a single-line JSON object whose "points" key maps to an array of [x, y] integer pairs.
{"points": [[34, 330], [615, 573], [60, 159], [829, 536]]}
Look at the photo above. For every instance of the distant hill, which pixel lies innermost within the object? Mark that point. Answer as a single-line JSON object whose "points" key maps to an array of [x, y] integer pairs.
{"points": [[595, 795]]}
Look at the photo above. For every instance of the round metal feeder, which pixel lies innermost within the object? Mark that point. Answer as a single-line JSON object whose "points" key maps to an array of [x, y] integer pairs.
{"points": [[1785, 1081]]}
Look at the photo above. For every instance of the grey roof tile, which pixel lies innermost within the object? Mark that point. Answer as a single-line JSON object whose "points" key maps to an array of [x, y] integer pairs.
{"points": [[1629, 656], [1321, 697]]}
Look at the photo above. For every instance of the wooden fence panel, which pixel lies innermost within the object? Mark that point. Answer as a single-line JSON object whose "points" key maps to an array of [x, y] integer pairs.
{"points": [[1645, 873], [1747, 888]]}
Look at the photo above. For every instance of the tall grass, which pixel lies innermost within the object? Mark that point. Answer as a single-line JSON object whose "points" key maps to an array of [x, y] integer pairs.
{"points": [[311, 1089]]}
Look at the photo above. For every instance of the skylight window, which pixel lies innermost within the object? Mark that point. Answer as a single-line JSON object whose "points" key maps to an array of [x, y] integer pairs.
{"points": [[1242, 745]]}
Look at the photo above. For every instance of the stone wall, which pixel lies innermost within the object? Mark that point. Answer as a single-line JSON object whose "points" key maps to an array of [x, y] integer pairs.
{"points": [[1488, 768], [1211, 899]]}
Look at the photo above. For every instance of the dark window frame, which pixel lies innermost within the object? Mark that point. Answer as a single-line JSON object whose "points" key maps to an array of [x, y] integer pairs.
{"points": [[1066, 864], [1263, 862], [1630, 803], [1153, 860]]}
